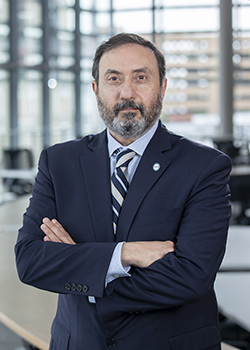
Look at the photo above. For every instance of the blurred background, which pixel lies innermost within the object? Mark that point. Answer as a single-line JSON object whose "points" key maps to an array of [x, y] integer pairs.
{"points": [[46, 54]]}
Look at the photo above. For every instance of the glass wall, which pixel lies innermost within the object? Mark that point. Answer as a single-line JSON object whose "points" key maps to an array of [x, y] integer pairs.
{"points": [[4, 76], [29, 94], [189, 39], [241, 60], [46, 53], [4, 110]]}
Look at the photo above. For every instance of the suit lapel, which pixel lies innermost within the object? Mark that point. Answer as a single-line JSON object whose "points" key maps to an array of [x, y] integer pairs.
{"points": [[96, 172], [153, 164]]}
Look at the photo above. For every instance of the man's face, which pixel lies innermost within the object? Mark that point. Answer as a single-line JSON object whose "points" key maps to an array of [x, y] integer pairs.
{"points": [[129, 95]]}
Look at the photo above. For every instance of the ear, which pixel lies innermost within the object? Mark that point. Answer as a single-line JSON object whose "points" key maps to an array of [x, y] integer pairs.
{"points": [[163, 88], [94, 88]]}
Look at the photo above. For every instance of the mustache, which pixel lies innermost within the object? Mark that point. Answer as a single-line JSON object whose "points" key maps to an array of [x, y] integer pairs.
{"points": [[128, 104]]}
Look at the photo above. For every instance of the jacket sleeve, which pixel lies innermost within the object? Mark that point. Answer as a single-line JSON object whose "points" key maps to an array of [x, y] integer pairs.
{"points": [[57, 267], [187, 274]]}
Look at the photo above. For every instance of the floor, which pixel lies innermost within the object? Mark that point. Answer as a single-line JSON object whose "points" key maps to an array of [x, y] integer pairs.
{"points": [[9, 340], [10, 222]]}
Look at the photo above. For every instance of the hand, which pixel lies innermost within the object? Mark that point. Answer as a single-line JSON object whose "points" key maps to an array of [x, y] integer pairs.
{"points": [[143, 254], [54, 232]]}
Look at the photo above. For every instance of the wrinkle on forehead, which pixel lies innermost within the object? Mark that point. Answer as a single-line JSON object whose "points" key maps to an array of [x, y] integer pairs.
{"points": [[137, 70], [132, 57]]}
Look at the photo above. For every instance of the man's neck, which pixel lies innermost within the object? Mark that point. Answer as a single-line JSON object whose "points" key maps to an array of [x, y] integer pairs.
{"points": [[124, 141]]}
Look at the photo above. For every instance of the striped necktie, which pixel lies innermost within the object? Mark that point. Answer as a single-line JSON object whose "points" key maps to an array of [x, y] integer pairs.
{"points": [[120, 183]]}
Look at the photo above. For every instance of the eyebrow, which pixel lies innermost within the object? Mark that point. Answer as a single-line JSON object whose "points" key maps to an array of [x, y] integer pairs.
{"points": [[138, 70], [110, 71], [143, 69]]}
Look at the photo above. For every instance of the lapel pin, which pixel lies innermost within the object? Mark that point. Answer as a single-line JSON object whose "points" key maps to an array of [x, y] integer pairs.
{"points": [[156, 167]]}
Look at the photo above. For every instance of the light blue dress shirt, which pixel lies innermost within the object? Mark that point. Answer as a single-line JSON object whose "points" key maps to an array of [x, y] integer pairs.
{"points": [[116, 269]]}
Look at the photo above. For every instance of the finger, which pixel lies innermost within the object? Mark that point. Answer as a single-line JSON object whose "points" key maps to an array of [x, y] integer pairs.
{"points": [[63, 234], [56, 232], [57, 223], [51, 230], [51, 236]]}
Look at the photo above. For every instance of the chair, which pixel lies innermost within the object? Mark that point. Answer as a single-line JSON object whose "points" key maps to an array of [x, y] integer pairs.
{"points": [[238, 151], [18, 159]]}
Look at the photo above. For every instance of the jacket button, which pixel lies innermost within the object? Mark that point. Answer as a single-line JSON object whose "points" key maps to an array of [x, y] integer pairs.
{"points": [[73, 287], [67, 286], [79, 287], [111, 343], [85, 288]]}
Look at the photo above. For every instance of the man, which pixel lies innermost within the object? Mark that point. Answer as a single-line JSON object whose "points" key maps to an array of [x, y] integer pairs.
{"points": [[137, 274]]}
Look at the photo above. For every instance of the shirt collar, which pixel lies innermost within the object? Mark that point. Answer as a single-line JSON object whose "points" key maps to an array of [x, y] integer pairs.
{"points": [[137, 146]]}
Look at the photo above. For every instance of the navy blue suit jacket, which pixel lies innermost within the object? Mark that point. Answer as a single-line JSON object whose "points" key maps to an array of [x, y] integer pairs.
{"points": [[169, 305]]}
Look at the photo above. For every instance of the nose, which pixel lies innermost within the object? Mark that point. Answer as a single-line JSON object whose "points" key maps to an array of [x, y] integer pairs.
{"points": [[127, 90]]}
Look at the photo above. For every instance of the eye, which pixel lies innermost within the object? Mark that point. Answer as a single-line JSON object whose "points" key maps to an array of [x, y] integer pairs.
{"points": [[141, 77], [113, 79]]}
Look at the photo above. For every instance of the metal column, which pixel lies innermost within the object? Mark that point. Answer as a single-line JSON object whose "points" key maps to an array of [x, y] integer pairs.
{"points": [[226, 69], [13, 75], [46, 53], [77, 71]]}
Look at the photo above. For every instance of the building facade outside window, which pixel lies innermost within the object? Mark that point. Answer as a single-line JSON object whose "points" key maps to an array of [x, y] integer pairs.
{"points": [[46, 52]]}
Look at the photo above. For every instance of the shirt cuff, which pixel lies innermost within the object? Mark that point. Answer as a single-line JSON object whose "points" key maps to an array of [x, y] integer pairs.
{"points": [[116, 269]]}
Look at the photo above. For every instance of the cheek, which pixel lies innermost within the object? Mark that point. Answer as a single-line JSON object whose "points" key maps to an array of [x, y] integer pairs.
{"points": [[111, 97], [148, 96]]}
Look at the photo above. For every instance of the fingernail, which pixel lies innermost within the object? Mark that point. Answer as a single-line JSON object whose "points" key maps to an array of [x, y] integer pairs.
{"points": [[45, 220]]}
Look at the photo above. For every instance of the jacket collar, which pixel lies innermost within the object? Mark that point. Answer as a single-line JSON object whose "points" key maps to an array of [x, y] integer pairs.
{"points": [[96, 172], [153, 164]]}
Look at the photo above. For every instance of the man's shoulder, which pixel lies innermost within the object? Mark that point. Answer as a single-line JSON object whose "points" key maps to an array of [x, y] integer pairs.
{"points": [[78, 145], [191, 150]]}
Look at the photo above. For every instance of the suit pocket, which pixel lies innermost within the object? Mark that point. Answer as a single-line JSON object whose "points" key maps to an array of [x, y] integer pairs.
{"points": [[60, 337], [196, 340]]}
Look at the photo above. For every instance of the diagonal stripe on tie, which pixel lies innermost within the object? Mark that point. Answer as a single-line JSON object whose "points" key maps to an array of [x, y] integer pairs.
{"points": [[120, 183]]}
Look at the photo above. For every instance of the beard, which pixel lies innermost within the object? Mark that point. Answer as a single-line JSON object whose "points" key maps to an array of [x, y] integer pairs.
{"points": [[126, 124]]}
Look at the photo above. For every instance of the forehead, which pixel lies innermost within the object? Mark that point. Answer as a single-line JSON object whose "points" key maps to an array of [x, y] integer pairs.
{"points": [[128, 57]]}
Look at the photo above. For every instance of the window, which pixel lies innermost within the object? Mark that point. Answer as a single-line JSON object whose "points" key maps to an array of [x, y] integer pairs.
{"points": [[241, 60], [47, 48]]}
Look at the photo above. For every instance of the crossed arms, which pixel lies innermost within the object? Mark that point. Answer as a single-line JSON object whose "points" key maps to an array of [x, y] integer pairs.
{"points": [[138, 254], [159, 279]]}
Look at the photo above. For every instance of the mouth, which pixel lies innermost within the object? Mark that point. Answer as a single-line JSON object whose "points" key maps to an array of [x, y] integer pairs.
{"points": [[127, 107]]}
